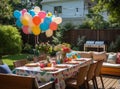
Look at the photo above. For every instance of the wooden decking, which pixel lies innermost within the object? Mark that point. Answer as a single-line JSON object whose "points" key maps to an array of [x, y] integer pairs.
{"points": [[110, 82]]}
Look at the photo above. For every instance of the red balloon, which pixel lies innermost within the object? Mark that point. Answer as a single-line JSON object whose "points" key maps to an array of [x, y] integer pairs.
{"points": [[53, 26], [36, 20]]}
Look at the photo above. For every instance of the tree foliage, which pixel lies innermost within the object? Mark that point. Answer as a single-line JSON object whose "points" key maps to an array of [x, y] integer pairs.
{"points": [[10, 40], [111, 6], [5, 10]]}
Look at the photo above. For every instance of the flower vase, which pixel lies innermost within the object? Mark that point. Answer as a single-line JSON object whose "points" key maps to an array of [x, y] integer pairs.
{"points": [[63, 57], [43, 56]]}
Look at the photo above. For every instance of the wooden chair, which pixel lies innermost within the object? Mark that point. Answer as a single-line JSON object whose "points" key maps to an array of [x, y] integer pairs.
{"points": [[16, 82], [22, 82], [98, 73], [79, 79], [90, 75], [19, 63]]}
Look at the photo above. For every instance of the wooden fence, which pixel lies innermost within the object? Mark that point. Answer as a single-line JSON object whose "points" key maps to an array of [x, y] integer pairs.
{"points": [[71, 36]]}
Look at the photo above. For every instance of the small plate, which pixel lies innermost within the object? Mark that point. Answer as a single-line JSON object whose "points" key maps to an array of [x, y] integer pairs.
{"points": [[80, 59], [49, 69], [31, 65], [61, 66], [72, 62]]}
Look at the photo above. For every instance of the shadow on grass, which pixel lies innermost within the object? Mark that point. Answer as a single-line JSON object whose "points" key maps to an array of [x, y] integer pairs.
{"points": [[9, 59], [15, 57]]}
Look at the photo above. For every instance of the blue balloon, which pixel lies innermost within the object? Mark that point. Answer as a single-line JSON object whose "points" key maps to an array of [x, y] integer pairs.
{"points": [[44, 26], [17, 14], [32, 13], [47, 20], [18, 23]]}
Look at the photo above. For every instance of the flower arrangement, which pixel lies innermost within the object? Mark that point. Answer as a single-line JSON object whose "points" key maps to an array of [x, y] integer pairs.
{"points": [[44, 47], [63, 48]]}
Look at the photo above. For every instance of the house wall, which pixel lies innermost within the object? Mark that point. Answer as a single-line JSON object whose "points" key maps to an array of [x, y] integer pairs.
{"points": [[69, 12]]}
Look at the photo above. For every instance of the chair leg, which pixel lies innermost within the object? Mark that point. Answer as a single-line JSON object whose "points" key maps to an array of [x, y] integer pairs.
{"points": [[95, 80], [94, 83], [85, 83], [102, 81]]}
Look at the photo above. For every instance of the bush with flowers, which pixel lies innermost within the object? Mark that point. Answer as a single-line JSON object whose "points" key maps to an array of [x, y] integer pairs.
{"points": [[44, 47]]}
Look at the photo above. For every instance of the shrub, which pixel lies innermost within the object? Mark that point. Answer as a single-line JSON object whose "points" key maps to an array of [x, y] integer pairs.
{"points": [[117, 43], [112, 47], [10, 40], [27, 48]]}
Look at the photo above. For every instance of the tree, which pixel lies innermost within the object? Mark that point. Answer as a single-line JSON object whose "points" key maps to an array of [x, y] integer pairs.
{"points": [[10, 40], [111, 6], [5, 11]]}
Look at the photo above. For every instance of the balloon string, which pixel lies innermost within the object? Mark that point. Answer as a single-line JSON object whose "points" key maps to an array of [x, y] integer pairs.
{"points": [[36, 39]]}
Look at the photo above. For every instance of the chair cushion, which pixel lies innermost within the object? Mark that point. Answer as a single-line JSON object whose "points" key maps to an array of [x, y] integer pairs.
{"points": [[118, 58], [99, 56], [5, 69], [112, 58], [105, 64]]}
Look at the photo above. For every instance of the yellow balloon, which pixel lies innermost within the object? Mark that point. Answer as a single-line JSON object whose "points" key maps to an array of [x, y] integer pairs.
{"points": [[49, 14], [57, 20], [36, 30], [24, 21], [49, 33]]}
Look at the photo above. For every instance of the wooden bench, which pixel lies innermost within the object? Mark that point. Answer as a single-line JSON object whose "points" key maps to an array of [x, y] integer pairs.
{"points": [[110, 71], [95, 44]]}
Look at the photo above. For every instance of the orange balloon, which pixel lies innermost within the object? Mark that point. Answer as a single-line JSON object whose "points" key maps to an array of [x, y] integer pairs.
{"points": [[53, 26], [36, 20]]}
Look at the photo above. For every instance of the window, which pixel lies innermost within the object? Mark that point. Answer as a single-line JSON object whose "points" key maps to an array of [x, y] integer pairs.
{"points": [[76, 9], [58, 9]]}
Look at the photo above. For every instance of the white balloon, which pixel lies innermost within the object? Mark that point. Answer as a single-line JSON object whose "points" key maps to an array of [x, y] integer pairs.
{"points": [[36, 9], [49, 33], [57, 20]]}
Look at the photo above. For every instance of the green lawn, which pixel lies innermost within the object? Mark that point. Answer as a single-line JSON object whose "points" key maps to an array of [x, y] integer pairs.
{"points": [[9, 59]]}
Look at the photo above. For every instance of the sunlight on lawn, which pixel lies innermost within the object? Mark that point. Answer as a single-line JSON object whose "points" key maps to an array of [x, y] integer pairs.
{"points": [[9, 59]]}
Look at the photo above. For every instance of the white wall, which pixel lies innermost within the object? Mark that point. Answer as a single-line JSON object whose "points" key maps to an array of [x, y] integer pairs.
{"points": [[68, 8]]}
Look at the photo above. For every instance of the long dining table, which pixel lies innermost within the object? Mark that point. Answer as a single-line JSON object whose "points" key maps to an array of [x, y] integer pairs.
{"points": [[57, 73]]}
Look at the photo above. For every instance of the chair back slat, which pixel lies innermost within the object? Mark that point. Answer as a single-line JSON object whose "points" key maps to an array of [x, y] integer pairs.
{"points": [[19, 63], [91, 71], [98, 67], [81, 75]]}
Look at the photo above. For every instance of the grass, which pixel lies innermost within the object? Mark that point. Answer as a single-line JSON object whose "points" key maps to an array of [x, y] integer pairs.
{"points": [[9, 59]]}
